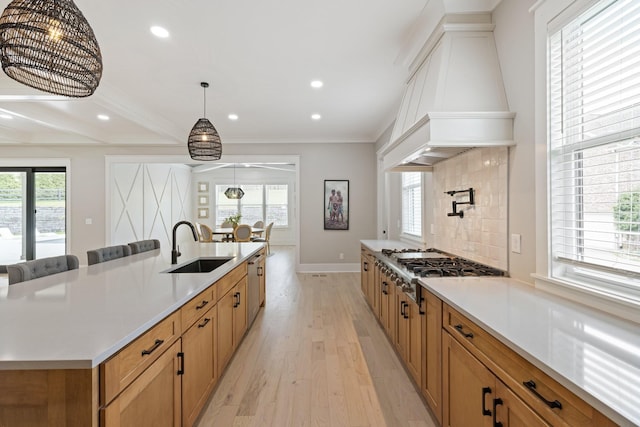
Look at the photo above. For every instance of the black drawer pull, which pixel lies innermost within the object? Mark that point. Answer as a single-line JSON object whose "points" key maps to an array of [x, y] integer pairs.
{"points": [[465, 334], [181, 368], [485, 411], [496, 402], [202, 304], [155, 345], [531, 385], [260, 271], [384, 288], [204, 322], [365, 266]]}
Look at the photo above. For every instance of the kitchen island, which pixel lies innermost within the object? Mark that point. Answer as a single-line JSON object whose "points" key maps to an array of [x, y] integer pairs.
{"points": [[60, 331], [534, 342]]}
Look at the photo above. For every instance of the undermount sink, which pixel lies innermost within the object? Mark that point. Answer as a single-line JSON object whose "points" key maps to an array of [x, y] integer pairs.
{"points": [[200, 265]]}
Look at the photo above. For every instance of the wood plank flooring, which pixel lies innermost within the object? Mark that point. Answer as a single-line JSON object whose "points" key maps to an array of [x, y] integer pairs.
{"points": [[315, 356]]}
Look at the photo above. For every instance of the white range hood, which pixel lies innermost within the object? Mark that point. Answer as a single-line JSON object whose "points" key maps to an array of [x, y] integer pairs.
{"points": [[455, 98]]}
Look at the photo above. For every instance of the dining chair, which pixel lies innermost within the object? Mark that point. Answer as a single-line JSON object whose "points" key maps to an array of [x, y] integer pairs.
{"points": [[205, 233], [144, 246], [41, 267], [242, 233], [258, 224], [267, 236], [108, 253], [227, 237]]}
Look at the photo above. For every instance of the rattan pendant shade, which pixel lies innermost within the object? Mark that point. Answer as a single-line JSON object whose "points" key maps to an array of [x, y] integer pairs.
{"points": [[49, 45], [204, 141]]}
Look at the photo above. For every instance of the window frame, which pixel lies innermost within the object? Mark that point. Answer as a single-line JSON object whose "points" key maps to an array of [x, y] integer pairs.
{"points": [[420, 206], [550, 16]]}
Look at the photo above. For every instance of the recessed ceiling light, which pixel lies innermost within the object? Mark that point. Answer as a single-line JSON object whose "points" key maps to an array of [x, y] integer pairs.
{"points": [[103, 117], [316, 116], [317, 84], [233, 116], [159, 32], [6, 116]]}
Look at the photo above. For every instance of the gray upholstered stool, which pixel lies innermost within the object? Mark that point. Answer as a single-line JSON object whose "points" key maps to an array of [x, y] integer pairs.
{"points": [[107, 254], [29, 270], [144, 245]]}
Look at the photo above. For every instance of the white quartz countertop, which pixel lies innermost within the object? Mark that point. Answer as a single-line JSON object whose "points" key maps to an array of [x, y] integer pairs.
{"points": [[78, 319], [593, 354]]}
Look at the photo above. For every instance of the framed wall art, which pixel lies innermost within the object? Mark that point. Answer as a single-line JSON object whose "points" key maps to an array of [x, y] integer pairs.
{"points": [[336, 204], [203, 187], [203, 200], [203, 212]]}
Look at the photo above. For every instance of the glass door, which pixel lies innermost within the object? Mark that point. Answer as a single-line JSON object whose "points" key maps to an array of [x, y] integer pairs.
{"points": [[32, 214], [13, 189]]}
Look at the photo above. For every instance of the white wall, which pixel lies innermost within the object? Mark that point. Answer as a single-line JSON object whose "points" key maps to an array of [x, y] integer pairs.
{"points": [[514, 35]]}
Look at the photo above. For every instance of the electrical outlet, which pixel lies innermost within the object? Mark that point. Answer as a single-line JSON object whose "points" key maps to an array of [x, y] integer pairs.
{"points": [[341, 256], [515, 243]]}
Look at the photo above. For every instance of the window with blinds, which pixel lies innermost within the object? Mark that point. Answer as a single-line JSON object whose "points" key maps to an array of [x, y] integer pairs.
{"points": [[412, 203], [594, 149], [267, 203]]}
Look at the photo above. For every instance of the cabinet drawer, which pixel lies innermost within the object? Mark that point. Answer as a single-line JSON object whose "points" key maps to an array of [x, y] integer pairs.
{"points": [[540, 391], [230, 280], [191, 311], [126, 365]]}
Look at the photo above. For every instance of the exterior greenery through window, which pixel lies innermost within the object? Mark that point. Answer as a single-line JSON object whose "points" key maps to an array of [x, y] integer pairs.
{"points": [[268, 203], [594, 149], [412, 203]]}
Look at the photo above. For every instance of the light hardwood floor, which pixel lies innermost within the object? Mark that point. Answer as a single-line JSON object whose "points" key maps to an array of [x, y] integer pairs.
{"points": [[315, 356]]}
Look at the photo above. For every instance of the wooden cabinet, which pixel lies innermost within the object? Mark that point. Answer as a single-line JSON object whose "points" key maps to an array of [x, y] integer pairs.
{"points": [[408, 334], [153, 399], [524, 395], [474, 396], [366, 270], [232, 321], [126, 365], [468, 387], [262, 274], [432, 352], [200, 370], [387, 305]]}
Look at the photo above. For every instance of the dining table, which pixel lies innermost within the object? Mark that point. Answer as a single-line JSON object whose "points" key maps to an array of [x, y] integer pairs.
{"points": [[227, 232]]}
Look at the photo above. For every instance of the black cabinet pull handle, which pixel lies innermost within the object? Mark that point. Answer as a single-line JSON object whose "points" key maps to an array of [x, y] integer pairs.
{"points": [[202, 304], [496, 402], [181, 368], [260, 271], [404, 312], [485, 411], [402, 308], [465, 334], [155, 345], [204, 322], [365, 266], [531, 385], [384, 288]]}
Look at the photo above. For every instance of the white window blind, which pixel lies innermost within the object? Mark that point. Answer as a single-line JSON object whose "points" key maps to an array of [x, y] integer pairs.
{"points": [[594, 147], [412, 203]]}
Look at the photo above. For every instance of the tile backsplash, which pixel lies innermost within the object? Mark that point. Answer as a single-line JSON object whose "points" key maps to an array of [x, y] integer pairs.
{"points": [[481, 235]]}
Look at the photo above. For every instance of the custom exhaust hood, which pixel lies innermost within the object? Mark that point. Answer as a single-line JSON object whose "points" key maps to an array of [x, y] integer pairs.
{"points": [[454, 99]]}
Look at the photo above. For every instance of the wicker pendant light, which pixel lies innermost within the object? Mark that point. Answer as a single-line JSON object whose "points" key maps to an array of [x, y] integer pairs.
{"points": [[49, 45], [234, 192], [204, 140]]}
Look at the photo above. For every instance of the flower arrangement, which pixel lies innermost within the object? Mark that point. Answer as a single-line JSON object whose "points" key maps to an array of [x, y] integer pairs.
{"points": [[234, 219]]}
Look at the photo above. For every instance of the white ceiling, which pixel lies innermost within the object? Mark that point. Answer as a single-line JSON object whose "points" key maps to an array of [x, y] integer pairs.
{"points": [[258, 57]]}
